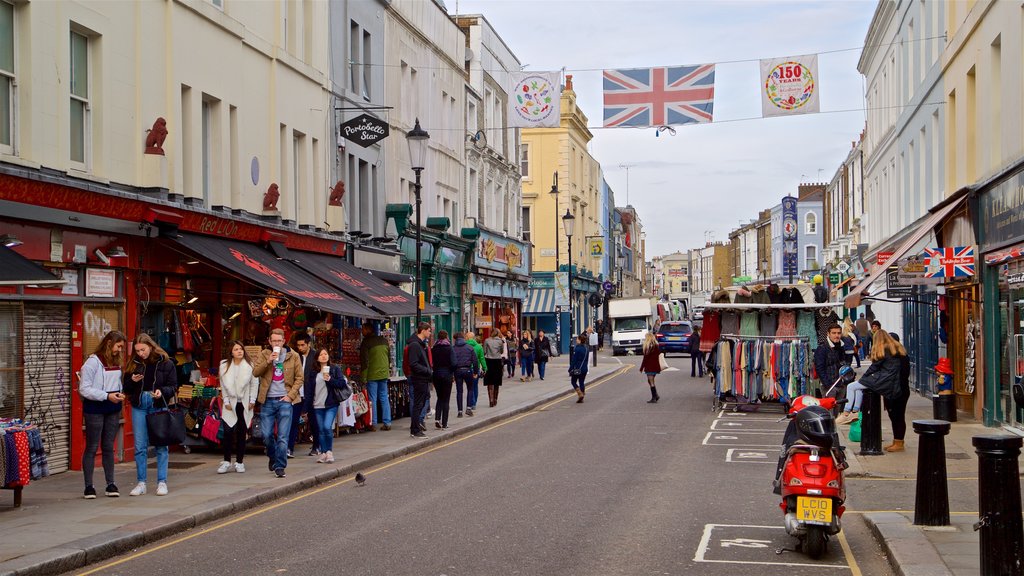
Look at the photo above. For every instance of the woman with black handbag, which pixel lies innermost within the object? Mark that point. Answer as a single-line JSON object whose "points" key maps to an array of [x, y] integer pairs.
{"points": [[578, 367], [238, 390], [151, 385], [327, 386], [543, 352]]}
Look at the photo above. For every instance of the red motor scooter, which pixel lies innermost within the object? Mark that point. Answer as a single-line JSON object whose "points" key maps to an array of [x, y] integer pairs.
{"points": [[810, 474]]}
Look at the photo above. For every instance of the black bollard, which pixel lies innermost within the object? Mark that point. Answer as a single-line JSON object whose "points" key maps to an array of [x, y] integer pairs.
{"points": [[871, 424], [944, 407], [1002, 534], [931, 502]]}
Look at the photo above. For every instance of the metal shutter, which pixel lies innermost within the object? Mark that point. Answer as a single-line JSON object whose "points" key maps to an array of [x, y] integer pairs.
{"points": [[10, 360], [48, 378]]}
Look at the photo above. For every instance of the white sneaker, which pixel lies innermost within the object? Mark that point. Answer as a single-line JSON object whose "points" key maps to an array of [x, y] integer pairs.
{"points": [[239, 467], [330, 458], [161, 489], [139, 489], [224, 467]]}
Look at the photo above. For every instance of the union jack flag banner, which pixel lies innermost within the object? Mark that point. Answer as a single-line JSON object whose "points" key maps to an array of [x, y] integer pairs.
{"points": [[667, 96], [954, 262]]}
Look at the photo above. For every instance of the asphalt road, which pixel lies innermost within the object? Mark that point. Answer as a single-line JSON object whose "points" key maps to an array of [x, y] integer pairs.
{"points": [[611, 486]]}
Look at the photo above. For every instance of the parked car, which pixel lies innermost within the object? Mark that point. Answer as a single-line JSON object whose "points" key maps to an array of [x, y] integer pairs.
{"points": [[674, 336]]}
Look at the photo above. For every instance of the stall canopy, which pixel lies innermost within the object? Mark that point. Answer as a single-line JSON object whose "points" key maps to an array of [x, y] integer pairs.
{"points": [[540, 301], [853, 299], [361, 285], [16, 270], [265, 269]]}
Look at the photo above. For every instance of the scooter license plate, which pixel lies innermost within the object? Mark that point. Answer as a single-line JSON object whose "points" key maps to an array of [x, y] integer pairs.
{"points": [[814, 510]]}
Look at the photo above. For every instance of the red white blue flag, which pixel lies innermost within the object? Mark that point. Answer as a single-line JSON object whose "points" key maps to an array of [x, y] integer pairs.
{"points": [[668, 96], [950, 262]]}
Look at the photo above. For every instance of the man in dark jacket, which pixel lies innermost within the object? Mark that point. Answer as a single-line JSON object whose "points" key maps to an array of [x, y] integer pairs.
{"points": [[420, 375], [829, 358], [465, 366]]}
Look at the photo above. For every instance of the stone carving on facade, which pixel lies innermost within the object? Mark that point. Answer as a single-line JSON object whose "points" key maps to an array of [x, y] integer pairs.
{"points": [[337, 194], [156, 136], [271, 196]]}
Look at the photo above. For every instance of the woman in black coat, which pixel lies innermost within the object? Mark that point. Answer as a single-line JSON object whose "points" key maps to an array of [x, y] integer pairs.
{"points": [[883, 376], [150, 384], [696, 356]]}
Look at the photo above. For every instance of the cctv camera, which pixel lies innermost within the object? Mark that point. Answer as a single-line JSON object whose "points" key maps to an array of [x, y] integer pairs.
{"points": [[103, 257]]}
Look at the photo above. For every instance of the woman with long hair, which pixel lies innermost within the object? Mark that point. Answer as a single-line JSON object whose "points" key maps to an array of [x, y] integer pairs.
{"points": [[578, 361], [238, 391], [443, 357], [151, 384], [102, 397], [512, 348], [651, 364], [849, 340], [883, 376], [494, 352], [526, 350], [321, 379]]}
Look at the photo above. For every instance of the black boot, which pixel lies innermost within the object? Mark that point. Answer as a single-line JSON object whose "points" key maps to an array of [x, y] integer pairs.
{"points": [[654, 396]]}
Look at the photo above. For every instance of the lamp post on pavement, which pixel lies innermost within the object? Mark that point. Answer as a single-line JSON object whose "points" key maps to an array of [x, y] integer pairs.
{"points": [[417, 139], [569, 224]]}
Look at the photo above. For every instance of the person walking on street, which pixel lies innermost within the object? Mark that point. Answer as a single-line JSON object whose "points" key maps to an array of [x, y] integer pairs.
{"points": [[526, 350], [863, 331], [238, 388], [473, 385], [100, 387], [542, 352], [511, 349], [578, 362], [829, 358], [281, 377], [651, 364], [444, 374], [851, 345], [494, 349], [696, 356], [420, 374], [151, 385], [897, 407], [464, 367], [321, 379], [883, 376], [375, 357], [300, 345]]}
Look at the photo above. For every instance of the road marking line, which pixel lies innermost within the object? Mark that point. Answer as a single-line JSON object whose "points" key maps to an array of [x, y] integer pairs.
{"points": [[737, 427], [721, 436], [763, 459], [705, 545], [967, 479], [907, 511], [305, 494], [854, 567]]}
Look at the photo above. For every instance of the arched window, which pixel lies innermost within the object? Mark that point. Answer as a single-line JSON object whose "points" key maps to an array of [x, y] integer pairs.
{"points": [[811, 223]]}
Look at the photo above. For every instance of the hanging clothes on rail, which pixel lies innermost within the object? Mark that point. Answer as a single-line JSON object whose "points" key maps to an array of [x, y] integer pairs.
{"points": [[805, 327], [769, 322], [787, 324], [730, 322], [749, 324], [710, 330], [824, 319]]}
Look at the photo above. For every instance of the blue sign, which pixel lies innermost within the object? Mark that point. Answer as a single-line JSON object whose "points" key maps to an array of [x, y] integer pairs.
{"points": [[789, 237], [789, 264], [608, 286]]}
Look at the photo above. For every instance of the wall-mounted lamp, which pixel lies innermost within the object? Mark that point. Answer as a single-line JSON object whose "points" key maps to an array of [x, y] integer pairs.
{"points": [[10, 240], [235, 315], [117, 252], [192, 299]]}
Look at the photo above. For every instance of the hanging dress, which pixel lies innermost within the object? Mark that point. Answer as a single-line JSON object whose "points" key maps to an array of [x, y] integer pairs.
{"points": [[787, 323]]}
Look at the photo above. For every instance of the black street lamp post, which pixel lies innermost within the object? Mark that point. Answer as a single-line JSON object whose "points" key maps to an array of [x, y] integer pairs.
{"points": [[569, 224], [417, 138]]}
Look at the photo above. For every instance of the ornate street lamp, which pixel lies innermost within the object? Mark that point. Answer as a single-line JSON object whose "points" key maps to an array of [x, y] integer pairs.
{"points": [[569, 225], [417, 139]]}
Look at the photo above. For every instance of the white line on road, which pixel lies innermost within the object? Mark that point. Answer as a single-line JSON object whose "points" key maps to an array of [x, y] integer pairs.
{"points": [[705, 544]]}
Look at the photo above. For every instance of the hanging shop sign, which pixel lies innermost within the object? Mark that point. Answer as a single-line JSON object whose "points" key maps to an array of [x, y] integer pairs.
{"points": [[883, 257], [789, 236], [596, 246], [561, 288], [496, 252], [1015, 279], [893, 287], [1002, 211], [914, 272], [949, 262], [364, 130]]}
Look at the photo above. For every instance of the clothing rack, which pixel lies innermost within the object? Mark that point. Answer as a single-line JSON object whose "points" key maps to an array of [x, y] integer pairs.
{"points": [[771, 367]]}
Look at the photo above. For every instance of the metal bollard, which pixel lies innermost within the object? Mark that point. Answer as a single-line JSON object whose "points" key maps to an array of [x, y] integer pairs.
{"points": [[871, 424], [1002, 534], [931, 502], [944, 407]]}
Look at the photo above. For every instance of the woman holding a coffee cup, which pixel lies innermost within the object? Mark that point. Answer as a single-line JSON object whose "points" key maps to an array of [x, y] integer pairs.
{"points": [[322, 378]]}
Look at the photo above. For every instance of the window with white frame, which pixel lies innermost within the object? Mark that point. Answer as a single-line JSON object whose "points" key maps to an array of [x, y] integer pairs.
{"points": [[526, 223], [354, 60], [79, 88], [811, 257], [811, 223], [524, 161], [7, 78], [367, 52]]}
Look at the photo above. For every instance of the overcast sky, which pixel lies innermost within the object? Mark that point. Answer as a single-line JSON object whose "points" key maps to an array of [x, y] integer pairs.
{"points": [[709, 176]]}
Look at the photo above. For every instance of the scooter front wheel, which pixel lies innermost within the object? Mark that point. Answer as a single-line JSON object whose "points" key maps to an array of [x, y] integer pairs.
{"points": [[815, 541]]}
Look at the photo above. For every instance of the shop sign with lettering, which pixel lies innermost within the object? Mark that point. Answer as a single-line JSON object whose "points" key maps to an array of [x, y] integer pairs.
{"points": [[364, 130], [498, 253], [1002, 212]]}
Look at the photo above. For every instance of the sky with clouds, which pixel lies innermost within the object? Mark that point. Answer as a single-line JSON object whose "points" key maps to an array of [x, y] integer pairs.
{"points": [[708, 177]]}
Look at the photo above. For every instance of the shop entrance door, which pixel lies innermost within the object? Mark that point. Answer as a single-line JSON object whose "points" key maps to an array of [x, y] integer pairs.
{"points": [[1013, 352]]}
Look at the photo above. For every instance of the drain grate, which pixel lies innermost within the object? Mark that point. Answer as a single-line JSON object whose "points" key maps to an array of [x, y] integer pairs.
{"points": [[957, 456]]}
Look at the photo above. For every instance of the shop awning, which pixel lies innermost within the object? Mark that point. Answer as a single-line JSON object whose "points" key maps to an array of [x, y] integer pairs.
{"points": [[392, 277], [359, 284], [16, 270], [540, 301], [262, 267], [853, 299]]}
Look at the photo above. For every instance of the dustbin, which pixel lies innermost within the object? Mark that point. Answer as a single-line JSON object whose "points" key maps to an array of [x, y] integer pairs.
{"points": [[944, 407]]}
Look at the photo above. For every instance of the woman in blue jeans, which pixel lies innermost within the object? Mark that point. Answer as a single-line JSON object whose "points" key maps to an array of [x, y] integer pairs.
{"points": [[150, 383], [578, 367], [321, 379], [526, 349]]}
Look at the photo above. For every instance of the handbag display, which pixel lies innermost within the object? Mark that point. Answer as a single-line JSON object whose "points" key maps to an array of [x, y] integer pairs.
{"points": [[662, 362], [360, 405], [212, 423], [166, 427]]}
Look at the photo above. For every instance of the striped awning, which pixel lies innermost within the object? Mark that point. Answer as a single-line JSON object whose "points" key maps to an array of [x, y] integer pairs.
{"points": [[540, 301]]}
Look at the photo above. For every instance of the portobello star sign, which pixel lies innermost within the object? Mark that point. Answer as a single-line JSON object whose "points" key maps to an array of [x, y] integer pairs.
{"points": [[364, 130]]}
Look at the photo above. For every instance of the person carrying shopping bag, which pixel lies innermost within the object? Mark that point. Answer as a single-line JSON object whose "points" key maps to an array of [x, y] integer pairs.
{"points": [[651, 364], [238, 389], [151, 385], [102, 398]]}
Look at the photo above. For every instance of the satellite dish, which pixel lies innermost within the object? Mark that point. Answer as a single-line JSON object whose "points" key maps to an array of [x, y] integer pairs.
{"points": [[479, 139], [469, 54]]}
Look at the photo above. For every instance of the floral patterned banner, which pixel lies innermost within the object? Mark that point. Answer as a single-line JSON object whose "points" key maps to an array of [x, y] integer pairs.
{"points": [[789, 86]]}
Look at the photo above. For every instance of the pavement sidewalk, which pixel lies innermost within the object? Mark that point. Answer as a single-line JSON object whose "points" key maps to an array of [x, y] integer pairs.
{"points": [[921, 550], [56, 530]]}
